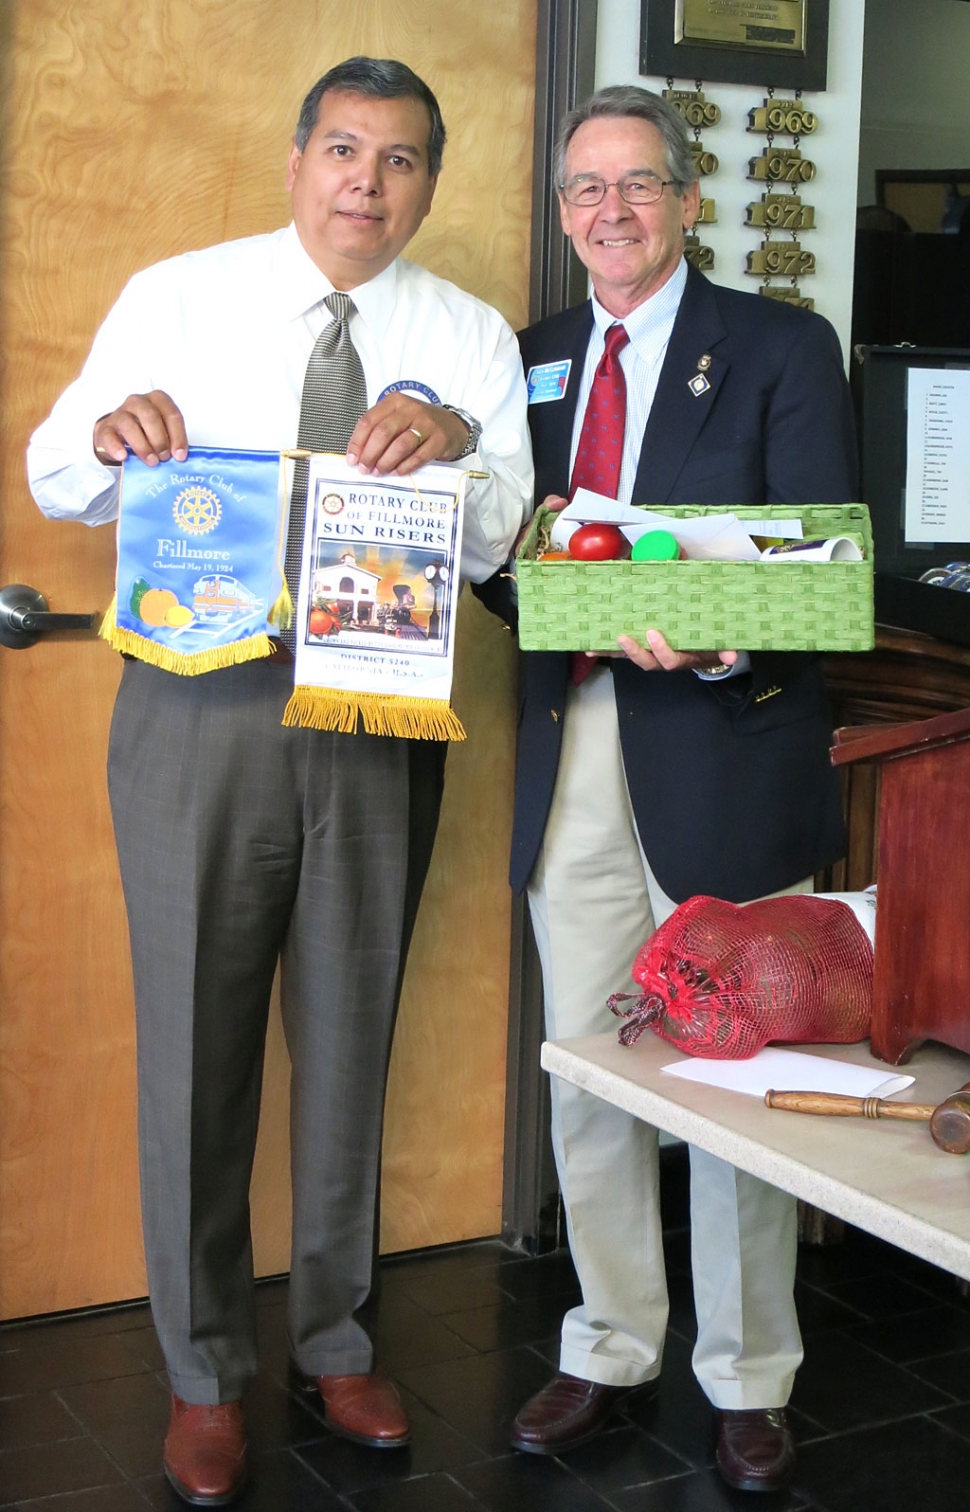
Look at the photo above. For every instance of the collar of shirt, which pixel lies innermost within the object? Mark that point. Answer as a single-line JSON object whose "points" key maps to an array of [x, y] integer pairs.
{"points": [[303, 287], [650, 324], [649, 327]]}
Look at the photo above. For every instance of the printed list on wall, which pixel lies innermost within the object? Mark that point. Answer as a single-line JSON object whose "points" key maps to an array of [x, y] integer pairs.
{"points": [[938, 455]]}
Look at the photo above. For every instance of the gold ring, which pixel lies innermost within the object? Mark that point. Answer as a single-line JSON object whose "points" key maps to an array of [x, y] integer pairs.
{"points": [[415, 432]]}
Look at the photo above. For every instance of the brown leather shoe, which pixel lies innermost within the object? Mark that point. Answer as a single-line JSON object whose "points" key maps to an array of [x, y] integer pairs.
{"points": [[205, 1453], [366, 1409], [567, 1412], [755, 1449]]}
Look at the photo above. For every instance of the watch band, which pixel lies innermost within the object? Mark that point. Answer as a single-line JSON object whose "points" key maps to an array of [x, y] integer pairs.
{"points": [[474, 430]]}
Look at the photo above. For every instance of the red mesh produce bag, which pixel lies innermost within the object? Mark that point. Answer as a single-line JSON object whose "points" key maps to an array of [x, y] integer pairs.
{"points": [[723, 979]]}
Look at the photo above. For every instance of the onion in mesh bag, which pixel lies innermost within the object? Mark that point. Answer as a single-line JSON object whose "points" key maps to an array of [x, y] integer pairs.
{"points": [[723, 979]]}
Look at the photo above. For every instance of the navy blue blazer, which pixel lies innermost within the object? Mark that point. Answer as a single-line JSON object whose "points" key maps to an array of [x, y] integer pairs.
{"points": [[731, 783]]}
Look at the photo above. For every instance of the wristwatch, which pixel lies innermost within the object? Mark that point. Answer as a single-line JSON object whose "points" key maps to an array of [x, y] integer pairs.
{"points": [[474, 430], [717, 669]]}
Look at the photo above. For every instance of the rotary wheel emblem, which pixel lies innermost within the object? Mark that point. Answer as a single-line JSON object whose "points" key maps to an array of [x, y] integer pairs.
{"points": [[332, 503], [197, 511]]}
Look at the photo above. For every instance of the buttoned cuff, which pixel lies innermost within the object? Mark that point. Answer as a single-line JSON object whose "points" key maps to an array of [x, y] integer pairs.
{"points": [[742, 665]]}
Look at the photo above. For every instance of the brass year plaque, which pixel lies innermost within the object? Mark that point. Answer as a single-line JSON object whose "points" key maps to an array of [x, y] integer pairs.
{"points": [[790, 294], [790, 116], [775, 24], [781, 165], [781, 212], [695, 109], [781, 260], [704, 162], [702, 257]]}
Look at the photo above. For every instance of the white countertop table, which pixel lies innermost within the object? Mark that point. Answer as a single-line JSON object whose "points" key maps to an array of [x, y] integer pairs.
{"points": [[886, 1177]]}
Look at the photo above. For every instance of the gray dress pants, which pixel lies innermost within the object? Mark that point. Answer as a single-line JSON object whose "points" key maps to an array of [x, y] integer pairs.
{"points": [[242, 843]]}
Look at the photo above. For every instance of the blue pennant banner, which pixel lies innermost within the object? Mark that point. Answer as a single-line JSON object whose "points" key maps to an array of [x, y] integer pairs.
{"points": [[199, 559]]}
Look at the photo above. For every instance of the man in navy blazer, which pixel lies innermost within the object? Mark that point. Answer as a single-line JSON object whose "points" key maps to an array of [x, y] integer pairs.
{"points": [[663, 774]]}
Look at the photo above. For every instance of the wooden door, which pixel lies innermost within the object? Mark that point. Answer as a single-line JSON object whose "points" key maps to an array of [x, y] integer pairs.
{"points": [[133, 134]]}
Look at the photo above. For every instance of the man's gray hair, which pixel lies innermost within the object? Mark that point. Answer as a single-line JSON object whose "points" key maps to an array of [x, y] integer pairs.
{"points": [[620, 100], [382, 79]]}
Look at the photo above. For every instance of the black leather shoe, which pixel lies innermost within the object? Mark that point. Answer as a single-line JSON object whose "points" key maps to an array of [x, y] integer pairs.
{"points": [[566, 1413], [755, 1449]]}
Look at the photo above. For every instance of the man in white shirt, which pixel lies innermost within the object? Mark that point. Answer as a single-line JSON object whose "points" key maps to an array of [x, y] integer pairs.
{"points": [[242, 842]]}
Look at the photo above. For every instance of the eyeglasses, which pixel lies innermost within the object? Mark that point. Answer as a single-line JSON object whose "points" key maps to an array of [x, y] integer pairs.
{"points": [[634, 188]]}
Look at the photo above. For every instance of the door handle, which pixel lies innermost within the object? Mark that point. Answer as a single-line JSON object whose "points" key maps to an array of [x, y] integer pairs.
{"points": [[24, 617]]}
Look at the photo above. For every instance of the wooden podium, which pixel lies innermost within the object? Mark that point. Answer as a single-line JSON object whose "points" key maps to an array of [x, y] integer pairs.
{"points": [[921, 979]]}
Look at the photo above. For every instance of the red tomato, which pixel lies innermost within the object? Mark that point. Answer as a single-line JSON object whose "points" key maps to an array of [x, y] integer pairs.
{"points": [[598, 543]]}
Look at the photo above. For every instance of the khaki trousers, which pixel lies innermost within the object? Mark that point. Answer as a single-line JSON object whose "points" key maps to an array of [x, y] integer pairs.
{"points": [[594, 900]]}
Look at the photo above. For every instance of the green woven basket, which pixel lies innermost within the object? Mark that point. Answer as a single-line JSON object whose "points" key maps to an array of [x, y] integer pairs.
{"points": [[704, 606]]}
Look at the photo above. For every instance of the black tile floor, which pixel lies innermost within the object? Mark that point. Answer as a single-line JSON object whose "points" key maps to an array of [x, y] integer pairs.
{"points": [[881, 1406]]}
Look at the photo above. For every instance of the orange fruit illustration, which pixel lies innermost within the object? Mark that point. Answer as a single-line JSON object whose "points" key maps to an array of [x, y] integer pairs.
{"points": [[155, 605]]}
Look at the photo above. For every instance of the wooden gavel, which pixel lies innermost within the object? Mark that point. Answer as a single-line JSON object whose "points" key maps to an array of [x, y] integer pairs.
{"points": [[949, 1122]]}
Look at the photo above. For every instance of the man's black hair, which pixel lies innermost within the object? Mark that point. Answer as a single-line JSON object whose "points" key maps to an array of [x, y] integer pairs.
{"points": [[382, 79]]}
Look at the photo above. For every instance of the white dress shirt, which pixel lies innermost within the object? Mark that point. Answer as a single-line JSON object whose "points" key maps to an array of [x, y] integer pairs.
{"points": [[227, 333], [648, 327]]}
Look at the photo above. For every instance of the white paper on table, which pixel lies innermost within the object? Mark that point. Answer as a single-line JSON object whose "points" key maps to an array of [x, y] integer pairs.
{"points": [[790, 1071], [863, 905]]}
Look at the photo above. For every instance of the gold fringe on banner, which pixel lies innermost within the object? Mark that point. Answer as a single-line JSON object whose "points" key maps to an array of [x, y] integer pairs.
{"points": [[313, 708], [252, 649]]}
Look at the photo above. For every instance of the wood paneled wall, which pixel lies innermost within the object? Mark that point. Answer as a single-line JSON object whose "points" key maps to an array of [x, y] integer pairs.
{"points": [[132, 134]]}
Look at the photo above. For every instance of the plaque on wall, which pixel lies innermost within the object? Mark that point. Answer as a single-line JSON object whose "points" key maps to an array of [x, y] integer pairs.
{"points": [[783, 42]]}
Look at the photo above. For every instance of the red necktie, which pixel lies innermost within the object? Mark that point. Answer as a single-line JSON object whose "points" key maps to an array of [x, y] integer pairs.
{"points": [[600, 450]]}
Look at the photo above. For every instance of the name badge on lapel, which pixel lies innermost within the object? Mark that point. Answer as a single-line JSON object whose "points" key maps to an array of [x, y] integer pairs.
{"points": [[547, 382]]}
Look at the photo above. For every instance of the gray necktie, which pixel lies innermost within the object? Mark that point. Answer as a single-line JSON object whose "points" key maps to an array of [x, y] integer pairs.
{"points": [[334, 398]]}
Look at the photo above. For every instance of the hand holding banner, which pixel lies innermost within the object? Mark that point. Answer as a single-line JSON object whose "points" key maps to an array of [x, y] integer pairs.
{"points": [[200, 583]]}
